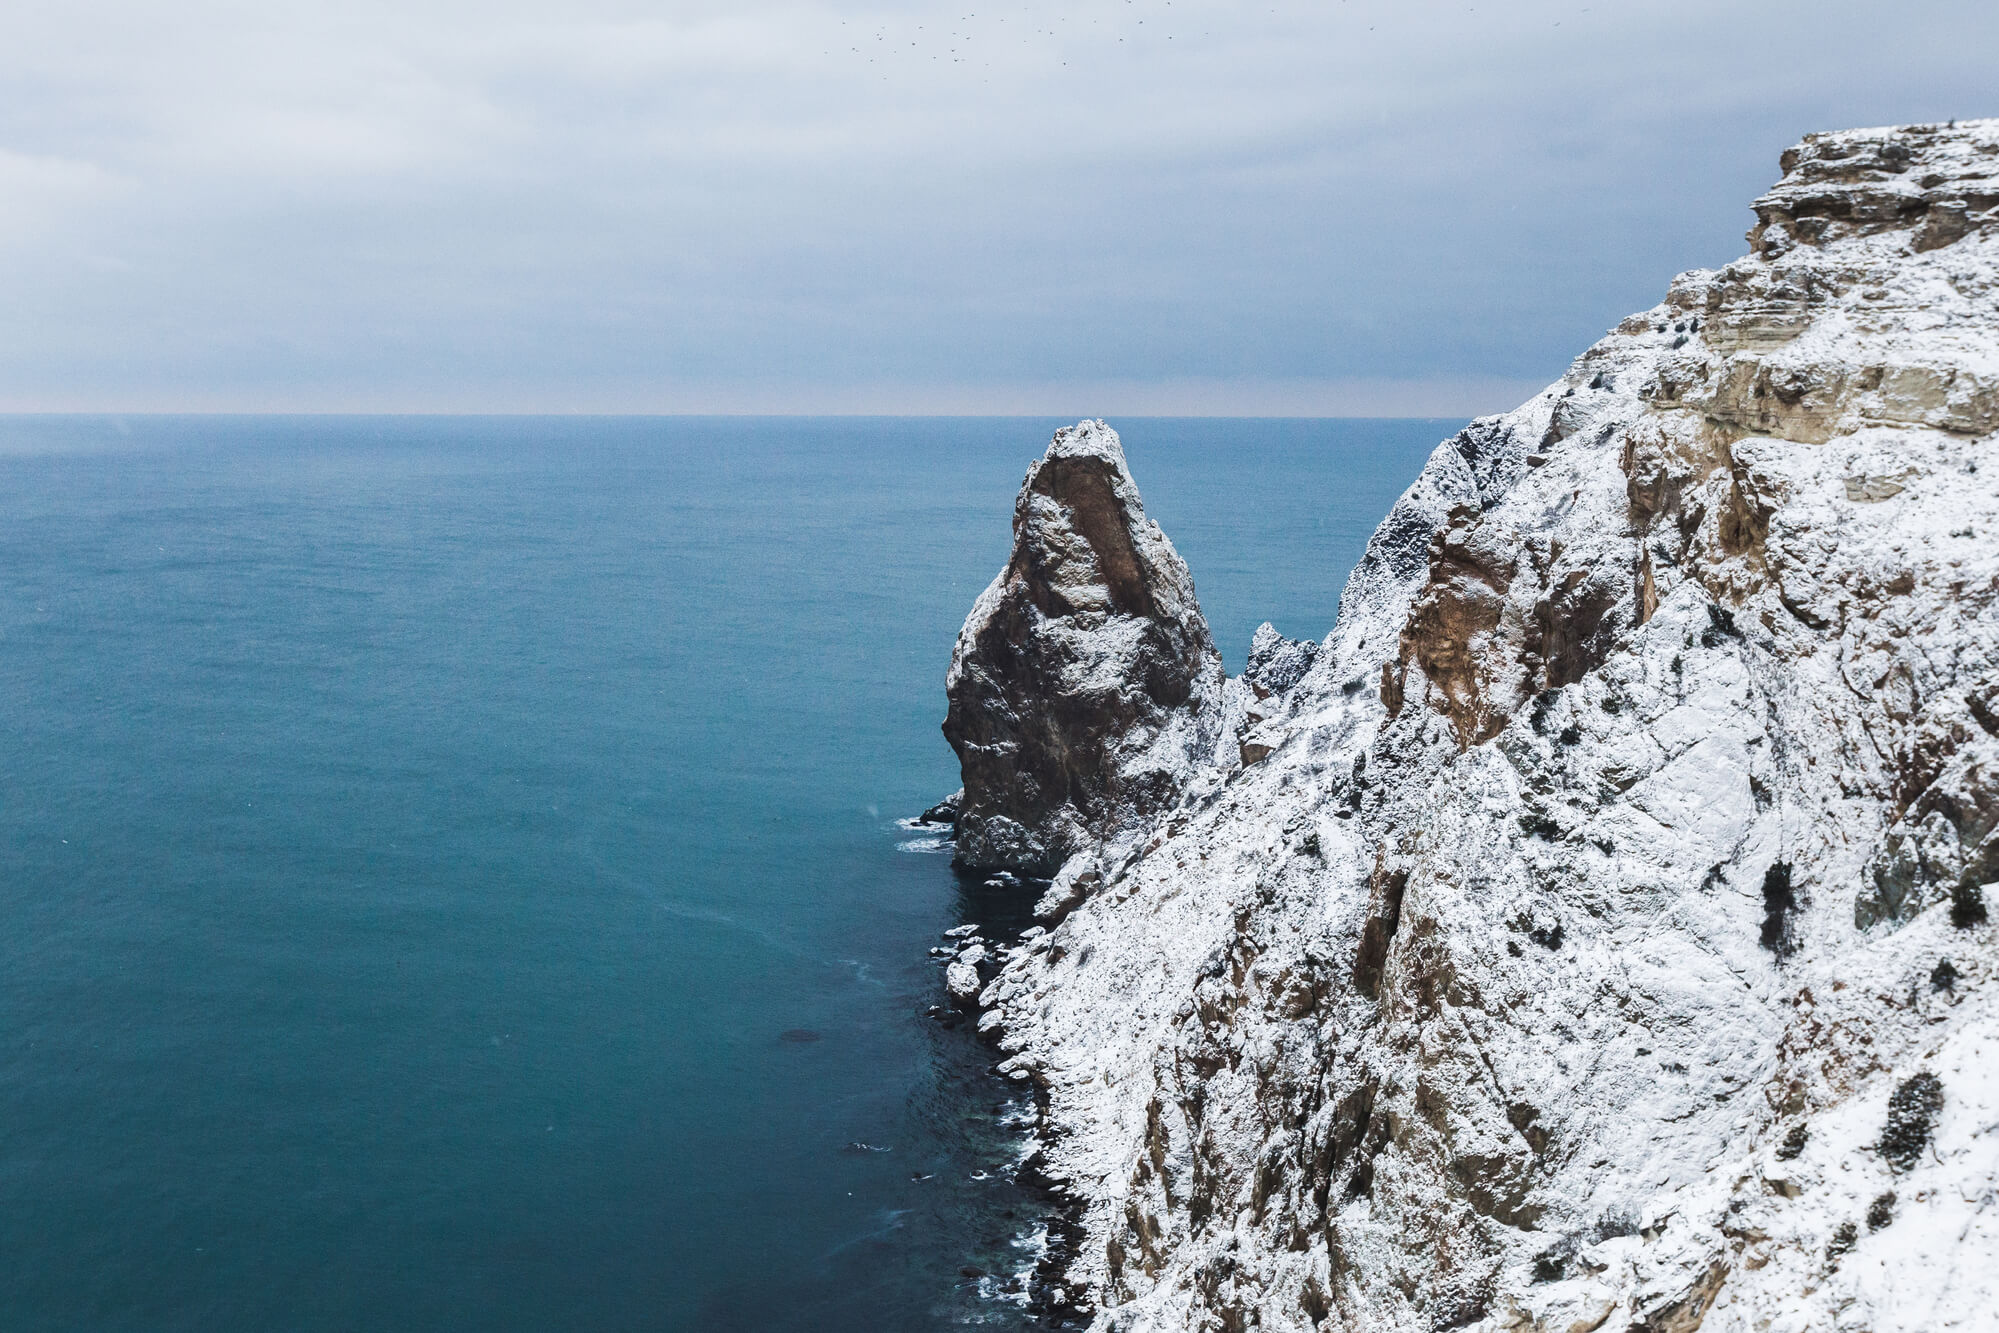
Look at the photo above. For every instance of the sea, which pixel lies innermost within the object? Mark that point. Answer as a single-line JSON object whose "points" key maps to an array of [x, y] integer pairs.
{"points": [[455, 873]]}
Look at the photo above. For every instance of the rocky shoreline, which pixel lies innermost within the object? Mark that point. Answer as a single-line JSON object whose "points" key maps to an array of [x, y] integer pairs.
{"points": [[969, 959], [1591, 931]]}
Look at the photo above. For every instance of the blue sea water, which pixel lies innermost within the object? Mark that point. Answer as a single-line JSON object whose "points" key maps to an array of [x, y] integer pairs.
{"points": [[452, 877]]}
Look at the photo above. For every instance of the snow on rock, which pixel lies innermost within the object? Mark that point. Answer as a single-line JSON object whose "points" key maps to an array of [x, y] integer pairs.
{"points": [[1085, 687], [961, 979], [1598, 938]]}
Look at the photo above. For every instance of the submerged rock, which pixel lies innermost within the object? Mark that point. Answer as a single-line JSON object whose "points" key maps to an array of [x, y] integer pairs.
{"points": [[1565, 953], [1085, 688]]}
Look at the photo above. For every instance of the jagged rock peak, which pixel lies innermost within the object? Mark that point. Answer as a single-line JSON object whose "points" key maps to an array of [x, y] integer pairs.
{"points": [[1277, 663], [1941, 181], [1866, 300], [1085, 689]]}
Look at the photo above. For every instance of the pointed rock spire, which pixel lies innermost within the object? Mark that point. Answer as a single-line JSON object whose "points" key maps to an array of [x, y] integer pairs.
{"points": [[1085, 689]]}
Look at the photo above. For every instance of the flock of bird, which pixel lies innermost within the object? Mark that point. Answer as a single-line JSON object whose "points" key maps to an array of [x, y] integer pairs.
{"points": [[973, 38], [970, 38]]}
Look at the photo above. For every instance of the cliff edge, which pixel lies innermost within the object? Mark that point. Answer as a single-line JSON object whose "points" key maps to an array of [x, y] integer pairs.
{"points": [[1595, 934]]}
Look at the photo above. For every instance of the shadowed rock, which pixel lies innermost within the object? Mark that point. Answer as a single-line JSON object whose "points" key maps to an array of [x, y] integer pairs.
{"points": [[1085, 688]]}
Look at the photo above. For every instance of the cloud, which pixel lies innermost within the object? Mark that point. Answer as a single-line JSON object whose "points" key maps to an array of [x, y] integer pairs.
{"points": [[37, 192], [612, 206]]}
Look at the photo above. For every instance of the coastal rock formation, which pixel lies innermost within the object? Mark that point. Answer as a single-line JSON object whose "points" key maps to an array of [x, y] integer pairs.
{"points": [[961, 978], [1275, 665], [1085, 686], [1275, 662], [1599, 936]]}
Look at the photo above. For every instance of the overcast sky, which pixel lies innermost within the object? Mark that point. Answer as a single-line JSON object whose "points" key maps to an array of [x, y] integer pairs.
{"points": [[1123, 206]]}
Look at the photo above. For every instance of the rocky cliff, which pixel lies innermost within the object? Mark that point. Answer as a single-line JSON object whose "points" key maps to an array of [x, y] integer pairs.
{"points": [[1592, 932]]}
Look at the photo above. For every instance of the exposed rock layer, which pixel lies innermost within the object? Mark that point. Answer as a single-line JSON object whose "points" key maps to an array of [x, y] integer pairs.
{"points": [[1595, 935]]}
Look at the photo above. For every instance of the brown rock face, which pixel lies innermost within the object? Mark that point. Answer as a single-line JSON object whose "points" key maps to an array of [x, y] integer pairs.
{"points": [[1929, 180], [1866, 306], [1455, 630], [1085, 689]]}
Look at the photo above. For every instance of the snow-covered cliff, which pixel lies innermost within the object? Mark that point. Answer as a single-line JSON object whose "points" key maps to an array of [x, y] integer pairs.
{"points": [[1595, 935]]}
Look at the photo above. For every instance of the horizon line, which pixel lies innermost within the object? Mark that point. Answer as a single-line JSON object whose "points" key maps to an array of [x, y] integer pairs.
{"points": [[1423, 398], [94, 414]]}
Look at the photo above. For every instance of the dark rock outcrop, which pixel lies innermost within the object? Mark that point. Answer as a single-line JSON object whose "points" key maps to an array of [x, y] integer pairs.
{"points": [[1277, 663], [1085, 689], [944, 812]]}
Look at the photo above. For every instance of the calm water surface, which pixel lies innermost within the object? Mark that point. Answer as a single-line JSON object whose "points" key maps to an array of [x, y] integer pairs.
{"points": [[421, 835]]}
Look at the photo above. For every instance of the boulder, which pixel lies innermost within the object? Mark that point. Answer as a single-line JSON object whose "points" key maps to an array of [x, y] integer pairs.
{"points": [[961, 979]]}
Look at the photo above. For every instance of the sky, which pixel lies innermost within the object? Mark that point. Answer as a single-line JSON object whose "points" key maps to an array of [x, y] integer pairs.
{"points": [[1108, 206]]}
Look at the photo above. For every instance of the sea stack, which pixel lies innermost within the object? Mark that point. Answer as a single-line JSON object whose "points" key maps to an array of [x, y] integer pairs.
{"points": [[1085, 688]]}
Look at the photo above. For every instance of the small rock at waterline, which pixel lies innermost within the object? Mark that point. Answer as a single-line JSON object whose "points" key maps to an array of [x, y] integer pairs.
{"points": [[961, 979], [961, 983], [945, 811]]}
